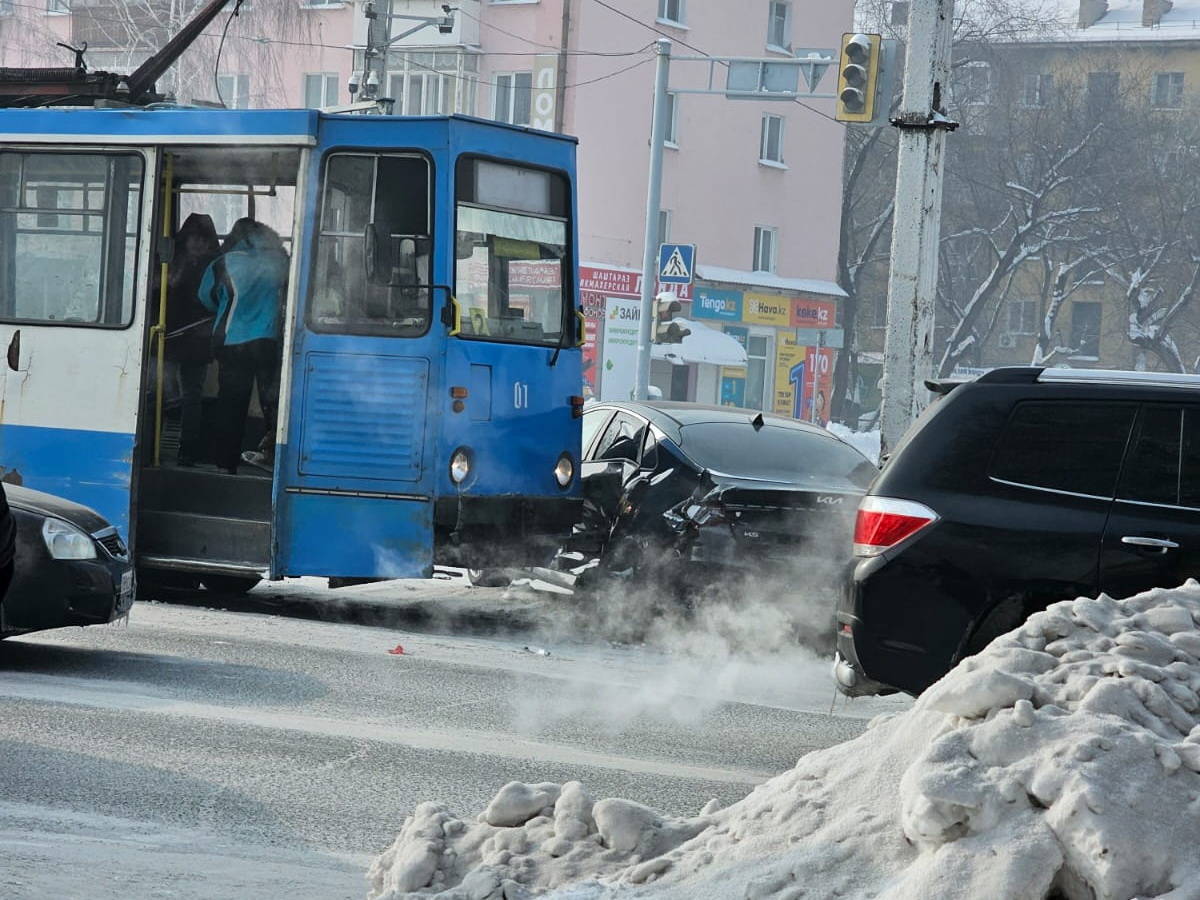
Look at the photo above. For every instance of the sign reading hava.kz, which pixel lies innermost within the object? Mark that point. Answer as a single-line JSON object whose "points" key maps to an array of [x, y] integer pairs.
{"points": [[676, 263]]}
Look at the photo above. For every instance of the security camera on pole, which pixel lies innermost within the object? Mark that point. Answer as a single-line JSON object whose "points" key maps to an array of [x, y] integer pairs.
{"points": [[380, 40]]}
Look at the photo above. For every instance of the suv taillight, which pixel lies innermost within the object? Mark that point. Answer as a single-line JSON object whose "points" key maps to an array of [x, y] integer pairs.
{"points": [[883, 523]]}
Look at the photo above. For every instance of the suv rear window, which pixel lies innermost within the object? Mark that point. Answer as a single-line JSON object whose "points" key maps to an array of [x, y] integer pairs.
{"points": [[1063, 446]]}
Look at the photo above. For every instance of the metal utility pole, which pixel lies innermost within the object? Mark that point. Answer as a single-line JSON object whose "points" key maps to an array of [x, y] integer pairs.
{"points": [[658, 133], [912, 284]]}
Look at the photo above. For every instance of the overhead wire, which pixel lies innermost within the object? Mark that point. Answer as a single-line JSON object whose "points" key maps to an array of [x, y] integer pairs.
{"points": [[261, 39], [237, 7]]}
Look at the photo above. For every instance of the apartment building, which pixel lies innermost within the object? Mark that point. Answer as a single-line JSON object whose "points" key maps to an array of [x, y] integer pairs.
{"points": [[756, 186]]}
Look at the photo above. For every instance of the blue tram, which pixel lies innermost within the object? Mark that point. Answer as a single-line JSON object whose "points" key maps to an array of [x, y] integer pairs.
{"points": [[428, 349]]}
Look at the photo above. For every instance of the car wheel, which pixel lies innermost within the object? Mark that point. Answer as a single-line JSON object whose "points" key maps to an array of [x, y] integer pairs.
{"points": [[489, 577], [1003, 618], [229, 584]]}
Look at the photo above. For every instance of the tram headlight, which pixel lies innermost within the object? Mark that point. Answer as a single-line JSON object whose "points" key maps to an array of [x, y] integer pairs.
{"points": [[564, 470], [65, 541], [460, 465]]}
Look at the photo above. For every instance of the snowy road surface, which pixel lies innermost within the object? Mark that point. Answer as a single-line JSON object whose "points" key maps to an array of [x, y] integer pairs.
{"points": [[204, 754]]}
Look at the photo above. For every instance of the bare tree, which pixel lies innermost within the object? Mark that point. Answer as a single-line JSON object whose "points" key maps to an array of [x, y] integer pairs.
{"points": [[121, 34], [1060, 280], [1031, 216]]}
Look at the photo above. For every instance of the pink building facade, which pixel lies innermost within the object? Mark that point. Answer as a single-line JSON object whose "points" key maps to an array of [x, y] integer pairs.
{"points": [[756, 186]]}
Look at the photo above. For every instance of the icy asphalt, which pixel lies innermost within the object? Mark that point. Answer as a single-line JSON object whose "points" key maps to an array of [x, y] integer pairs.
{"points": [[206, 754]]}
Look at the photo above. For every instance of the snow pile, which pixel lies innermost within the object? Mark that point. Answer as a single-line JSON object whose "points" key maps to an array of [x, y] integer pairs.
{"points": [[1064, 760], [865, 442]]}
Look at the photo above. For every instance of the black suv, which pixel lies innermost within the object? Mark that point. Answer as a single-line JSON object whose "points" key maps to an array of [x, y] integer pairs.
{"points": [[1011, 492]]}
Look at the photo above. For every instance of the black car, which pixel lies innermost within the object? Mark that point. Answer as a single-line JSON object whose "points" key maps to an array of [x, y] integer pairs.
{"points": [[70, 566], [1014, 491], [697, 492]]}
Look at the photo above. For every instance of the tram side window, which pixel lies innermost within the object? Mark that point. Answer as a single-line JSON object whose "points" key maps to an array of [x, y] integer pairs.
{"points": [[374, 247], [68, 237], [512, 269]]}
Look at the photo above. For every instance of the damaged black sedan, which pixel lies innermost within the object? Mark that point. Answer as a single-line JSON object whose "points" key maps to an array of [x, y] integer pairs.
{"points": [[700, 494]]}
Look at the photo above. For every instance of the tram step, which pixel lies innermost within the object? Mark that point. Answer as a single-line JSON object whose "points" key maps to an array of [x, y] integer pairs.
{"points": [[191, 536], [206, 493]]}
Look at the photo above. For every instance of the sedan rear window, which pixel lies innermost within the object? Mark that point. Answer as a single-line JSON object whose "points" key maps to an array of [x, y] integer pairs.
{"points": [[772, 453]]}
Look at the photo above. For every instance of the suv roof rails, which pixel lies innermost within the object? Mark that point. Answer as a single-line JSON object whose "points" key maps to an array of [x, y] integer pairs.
{"points": [[1119, 377], [1012, 375], [1005, 375]]}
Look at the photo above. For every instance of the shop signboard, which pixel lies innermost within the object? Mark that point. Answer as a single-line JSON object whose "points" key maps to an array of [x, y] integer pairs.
{"points": [[808, 313], [766, 309], [618, 378], [733, 388], [714, 303], [803, 380]]}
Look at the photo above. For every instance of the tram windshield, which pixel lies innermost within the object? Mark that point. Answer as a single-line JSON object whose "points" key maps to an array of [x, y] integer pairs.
{"points": [[68, 236], [511, 252]]}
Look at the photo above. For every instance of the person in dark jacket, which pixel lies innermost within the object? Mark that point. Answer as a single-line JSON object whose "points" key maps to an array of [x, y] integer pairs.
{"points": [[245, 288], [189, 327]]}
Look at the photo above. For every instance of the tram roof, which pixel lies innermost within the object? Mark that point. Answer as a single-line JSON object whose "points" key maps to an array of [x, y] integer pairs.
{"points": [[193, 125]]}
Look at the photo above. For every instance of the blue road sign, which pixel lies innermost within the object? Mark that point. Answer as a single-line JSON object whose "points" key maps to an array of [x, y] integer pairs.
{"points": [[676, 263]]}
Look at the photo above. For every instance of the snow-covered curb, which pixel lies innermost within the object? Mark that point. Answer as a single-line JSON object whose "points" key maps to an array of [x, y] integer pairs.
{"points": [[1064, 757]]}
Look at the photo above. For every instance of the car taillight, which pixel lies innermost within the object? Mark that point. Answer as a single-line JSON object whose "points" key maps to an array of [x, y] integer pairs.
{"points": [[883, 523]]}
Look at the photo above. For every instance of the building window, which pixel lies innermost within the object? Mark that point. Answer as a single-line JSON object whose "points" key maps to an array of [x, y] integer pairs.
{"points": [[1102, 89], [514, 94], [432, 84], [758, 348], [671, 138], [972, 84], [664, 225], [1022, 317], [320, 89], [672, 11], [6, 7], [899, 13], [770, 145], [58, 7], [318, 4], [1168, 91], [234, 91], [764, 248], [779, 26], [1038, 90], [1085, 329], [880, 310]]}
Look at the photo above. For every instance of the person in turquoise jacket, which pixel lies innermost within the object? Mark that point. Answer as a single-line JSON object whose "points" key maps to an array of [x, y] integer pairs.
{"points": [[245, 287]]}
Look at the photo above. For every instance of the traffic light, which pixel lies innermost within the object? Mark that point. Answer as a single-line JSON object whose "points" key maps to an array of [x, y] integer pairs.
{"points": [[858, 77], [666, 330]]}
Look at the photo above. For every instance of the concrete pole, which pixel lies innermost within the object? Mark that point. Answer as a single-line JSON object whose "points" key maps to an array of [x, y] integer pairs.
{"points": [[912, 284], [658, 133]]}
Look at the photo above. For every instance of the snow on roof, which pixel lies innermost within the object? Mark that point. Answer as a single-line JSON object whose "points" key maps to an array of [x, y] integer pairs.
{"points": [[1064, 757], [1122, 22], [768, 280]]}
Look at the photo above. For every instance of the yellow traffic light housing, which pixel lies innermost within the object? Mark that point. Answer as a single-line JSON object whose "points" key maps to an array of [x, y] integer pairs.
{"points": [[858, 77]]}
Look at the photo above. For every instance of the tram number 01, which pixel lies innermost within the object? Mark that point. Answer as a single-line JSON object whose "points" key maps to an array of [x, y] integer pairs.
{"points": [[520, 395]]}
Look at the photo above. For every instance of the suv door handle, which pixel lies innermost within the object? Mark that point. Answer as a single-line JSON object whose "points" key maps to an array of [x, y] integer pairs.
{"points": [[1155, 543]]}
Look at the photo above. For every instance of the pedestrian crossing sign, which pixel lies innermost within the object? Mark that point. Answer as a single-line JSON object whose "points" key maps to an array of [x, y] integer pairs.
{"points": [[676, 263]]}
